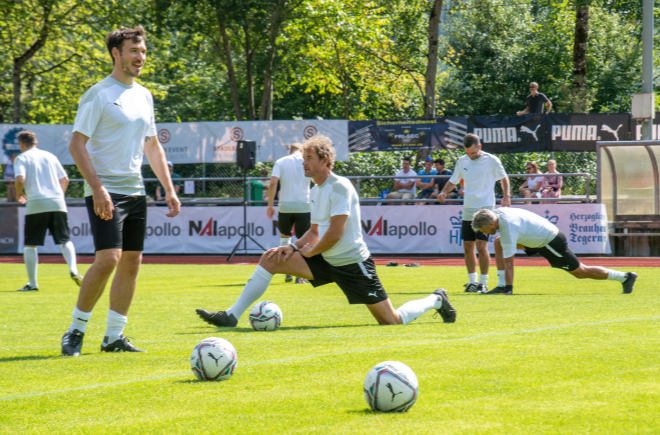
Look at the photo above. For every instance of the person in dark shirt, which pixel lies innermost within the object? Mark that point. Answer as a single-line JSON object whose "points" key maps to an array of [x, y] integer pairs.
{"points": [[536, 101], [439, 183]]}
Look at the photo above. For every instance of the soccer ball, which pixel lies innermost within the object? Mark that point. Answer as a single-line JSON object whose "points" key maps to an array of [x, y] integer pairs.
{"points": [[391, 386], [213, 359], [265, 316]]}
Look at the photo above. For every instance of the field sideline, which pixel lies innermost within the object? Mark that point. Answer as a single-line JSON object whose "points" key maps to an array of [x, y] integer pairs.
{"points": [[559, 356]]}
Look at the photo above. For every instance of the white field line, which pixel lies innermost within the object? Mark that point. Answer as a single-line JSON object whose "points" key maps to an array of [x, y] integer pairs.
{"points": [[346, 352]]}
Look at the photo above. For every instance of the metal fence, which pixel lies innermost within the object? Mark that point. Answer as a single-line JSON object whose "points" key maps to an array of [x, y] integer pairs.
{"points": [[233, 190]]}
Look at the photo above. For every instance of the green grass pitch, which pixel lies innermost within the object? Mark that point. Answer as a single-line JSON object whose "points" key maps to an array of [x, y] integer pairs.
{"points": [[559, 356]]}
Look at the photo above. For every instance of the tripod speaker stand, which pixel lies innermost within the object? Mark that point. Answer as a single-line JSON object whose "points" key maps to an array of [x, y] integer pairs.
{"points": [[245, 159]]}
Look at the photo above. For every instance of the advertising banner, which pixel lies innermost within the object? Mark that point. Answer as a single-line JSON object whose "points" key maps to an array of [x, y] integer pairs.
{"points": [[430, 229], [9, 230], [198, 142], [403, 135]]}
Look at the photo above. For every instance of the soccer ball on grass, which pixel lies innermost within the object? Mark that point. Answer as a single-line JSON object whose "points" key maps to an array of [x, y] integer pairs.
{"points": [[265, 316], [391, 386], [213, 359]]}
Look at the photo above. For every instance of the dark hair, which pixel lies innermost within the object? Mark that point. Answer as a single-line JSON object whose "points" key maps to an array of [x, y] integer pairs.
{"points": [[407, 159], [440, 161], [27, 138], [471, 139], [117, 37]]}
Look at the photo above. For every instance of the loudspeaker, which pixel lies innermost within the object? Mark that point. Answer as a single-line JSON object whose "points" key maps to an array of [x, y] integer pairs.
{"points": [[246, 152]]}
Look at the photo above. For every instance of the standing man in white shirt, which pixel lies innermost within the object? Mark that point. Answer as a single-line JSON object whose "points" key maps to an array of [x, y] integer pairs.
{"points": [[479, 171], [404, 187], [114, 127], [333, 250], [522, 229], [45, 181], [293, 203]]}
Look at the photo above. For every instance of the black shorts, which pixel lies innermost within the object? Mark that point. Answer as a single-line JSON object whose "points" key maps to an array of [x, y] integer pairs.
{"points": [[127, 227], [557, 253], [358, 281], [469, 235], [56, 222], [286, 221]]}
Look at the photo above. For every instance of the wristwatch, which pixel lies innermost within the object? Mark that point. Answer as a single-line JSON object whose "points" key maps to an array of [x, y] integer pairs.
{"points": [[295, 248]]}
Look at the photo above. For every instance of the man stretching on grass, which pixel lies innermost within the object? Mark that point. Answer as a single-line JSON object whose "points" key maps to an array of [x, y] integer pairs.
{"points": [[332, 250], [523, 229]]}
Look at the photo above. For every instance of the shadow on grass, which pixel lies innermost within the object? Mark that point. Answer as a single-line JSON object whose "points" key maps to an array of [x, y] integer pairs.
{"points": [[281, 328], [31, 358], [365, 411]]}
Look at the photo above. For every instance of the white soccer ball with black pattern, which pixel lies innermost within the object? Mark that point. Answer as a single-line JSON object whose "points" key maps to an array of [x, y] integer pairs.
{"points": [[213, 359], [391, 386], [265, 316]]}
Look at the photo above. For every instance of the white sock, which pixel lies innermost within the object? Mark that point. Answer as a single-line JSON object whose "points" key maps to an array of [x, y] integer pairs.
{"points": [[483, 279], [472, 277], [501, 278], [616, 275], [31, 259], [285, 241], [255, 287], [80, 320], [114, 326], [69, 254], [413, 309]]}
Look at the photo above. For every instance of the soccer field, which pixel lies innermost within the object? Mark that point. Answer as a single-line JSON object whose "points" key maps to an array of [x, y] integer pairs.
{"points": [[561, 355]]}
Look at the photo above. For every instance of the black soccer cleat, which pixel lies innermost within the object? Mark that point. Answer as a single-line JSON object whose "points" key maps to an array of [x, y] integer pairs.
{"points": [[119, 345], [475, 287], [72, 342], [288, 278], [28, 288], [447, 312], [628, 284], [77, 278], [499, 290], [217, 318]]}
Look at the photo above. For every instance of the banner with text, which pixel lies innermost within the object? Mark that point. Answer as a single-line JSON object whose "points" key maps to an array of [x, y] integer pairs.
{"points": [[387, 229], [198, 142]]}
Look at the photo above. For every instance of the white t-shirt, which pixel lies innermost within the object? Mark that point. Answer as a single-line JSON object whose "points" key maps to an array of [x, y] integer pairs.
{"points": [[42, 172], [522, 227], [532, 182], [337, 196], [400, 174], [294, 186], [479, 177], [116, 118]]}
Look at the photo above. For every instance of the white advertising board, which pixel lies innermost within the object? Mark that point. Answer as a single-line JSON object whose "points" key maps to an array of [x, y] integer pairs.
{"points": [[430, 229]]}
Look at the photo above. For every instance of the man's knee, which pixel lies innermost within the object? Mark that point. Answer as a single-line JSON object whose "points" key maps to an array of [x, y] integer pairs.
{"points": [[107, 259]]}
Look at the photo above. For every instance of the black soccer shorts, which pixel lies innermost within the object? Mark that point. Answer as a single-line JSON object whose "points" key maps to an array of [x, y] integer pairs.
{"points": [[358, 281], [470, 235], [557, 253], [286, 221], [36, 224], [126, 229]]}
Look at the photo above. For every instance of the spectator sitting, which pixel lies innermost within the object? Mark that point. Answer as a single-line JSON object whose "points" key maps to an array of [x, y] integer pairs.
{"points": [[440, 182], [553, 183], [404, 187], [427, 183], [533, 186], [160, 192]]}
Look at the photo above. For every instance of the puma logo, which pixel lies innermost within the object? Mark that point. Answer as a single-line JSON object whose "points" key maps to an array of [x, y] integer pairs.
{"points": [[527, 130], [608, 129], [217, 360], [389, 387]]}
